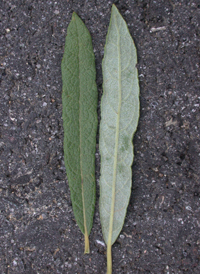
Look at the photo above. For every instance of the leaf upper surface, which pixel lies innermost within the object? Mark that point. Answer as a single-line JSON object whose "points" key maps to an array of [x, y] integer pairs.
{"points": [[119, 119], [79, 99]]}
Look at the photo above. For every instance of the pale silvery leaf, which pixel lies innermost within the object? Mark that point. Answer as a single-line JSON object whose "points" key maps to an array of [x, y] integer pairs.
{"points": [[119, 119]]}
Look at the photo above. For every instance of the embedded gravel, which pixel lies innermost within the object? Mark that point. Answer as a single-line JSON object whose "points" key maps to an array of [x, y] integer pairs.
{"points": [[38, 233]]}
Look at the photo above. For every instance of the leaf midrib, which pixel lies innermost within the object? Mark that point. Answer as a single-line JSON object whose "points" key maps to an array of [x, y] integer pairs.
{"points": [[116, 140], [80, 135]]}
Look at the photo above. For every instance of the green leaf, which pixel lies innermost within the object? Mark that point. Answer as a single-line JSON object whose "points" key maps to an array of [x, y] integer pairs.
{"points": [[119, 119], [79, 99]]}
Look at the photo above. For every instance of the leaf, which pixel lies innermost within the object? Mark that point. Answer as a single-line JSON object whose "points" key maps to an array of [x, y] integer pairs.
{"points": [[79, 99], [119, 119]]}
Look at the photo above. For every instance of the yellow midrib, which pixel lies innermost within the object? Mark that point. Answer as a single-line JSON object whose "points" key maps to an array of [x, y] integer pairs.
{"points": [[116, 144]]}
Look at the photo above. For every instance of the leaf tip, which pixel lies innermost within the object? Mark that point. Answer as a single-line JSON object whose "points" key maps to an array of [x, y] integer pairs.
{"points": [[114, 8], [74, 15]]}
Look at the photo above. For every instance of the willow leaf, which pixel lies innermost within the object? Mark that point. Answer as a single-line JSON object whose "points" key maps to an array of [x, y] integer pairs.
{"points": [[119, 119], [79, 99]]}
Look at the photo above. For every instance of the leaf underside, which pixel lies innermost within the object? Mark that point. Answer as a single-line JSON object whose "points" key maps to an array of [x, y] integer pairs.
{"points": [[119, 119], [79, 99]]}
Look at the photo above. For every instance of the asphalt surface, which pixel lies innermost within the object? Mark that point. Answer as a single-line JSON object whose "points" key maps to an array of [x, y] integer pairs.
{"points": [[38, 233]]}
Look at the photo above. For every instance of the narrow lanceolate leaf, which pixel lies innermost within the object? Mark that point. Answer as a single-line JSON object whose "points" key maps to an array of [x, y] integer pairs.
{"points": [[79, 99], [119, 119]]}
